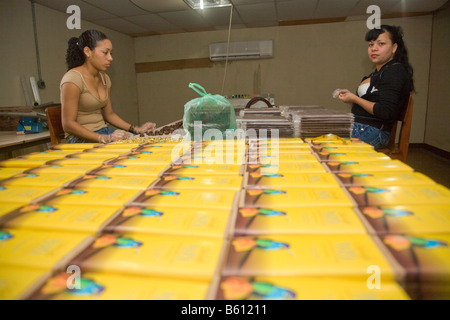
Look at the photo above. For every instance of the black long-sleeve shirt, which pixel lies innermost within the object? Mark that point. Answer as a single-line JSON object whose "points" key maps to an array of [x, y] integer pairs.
{"points": [[389, 88]]}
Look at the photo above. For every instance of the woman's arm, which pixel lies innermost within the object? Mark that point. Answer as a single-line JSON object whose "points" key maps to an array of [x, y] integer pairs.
{"points": [[348, 97], [113, 118]]}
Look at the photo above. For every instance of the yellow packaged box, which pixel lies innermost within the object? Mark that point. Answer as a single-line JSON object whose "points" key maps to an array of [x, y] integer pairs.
{"points": [[104, 286], [221, 150], [9, 172], [132, 170], [153, 255], [287, 167], [305, 288], [23, 194], [62, 169], [46, 251], [49, 154], [280, 149], [21, 162], [39, 180], [74, 146], [144, 160], [65, 218], [7, 207], [173, 221], [352, 156], [76, 161], [205, 169], [89, 154], [407, 219], [280, 141], [119, 145], [17, 283], [91, 196], [401, 195], [368, 166], [207, 158], [215, 199], [149, 155], [290, 180], [281, 158], [113, 181], [168, 148], [424, 257], [333, 140], [200, 182], [346, 256], [156, 151], [366, 148], [298, 220], [386, 178], [294, 197]]}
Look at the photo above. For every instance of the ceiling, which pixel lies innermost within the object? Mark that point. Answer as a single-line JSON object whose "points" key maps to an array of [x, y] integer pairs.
{"points": [[153, 17]]}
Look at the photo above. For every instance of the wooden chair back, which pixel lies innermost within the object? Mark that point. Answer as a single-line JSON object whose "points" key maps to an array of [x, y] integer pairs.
{"points": [[400, 150], [55, 124]]}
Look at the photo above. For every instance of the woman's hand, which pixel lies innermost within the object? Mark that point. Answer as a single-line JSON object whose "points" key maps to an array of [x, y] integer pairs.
{"points": [[115, 136], [346, 96], [147, 128]]}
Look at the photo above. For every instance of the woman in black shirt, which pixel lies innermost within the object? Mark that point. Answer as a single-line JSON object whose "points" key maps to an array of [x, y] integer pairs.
{"points": [[384, 93]]}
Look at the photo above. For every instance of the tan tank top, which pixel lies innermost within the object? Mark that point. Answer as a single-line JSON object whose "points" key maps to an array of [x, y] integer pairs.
{"points": [[89, 105]]}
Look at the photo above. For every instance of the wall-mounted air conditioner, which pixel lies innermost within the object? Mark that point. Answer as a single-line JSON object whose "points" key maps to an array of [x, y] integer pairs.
{"points": [[241, 50]]}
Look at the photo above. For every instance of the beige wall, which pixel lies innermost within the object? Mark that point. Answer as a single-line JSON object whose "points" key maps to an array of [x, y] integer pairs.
{"points": [[437, 131], [309, 62], [18, 56]]}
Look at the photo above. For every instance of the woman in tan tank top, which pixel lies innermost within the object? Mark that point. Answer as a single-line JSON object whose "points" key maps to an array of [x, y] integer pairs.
{"points": [[85, 93]]}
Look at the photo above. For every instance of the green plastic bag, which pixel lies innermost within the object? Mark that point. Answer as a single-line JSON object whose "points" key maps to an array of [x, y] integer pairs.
{"points": [[208, 112]]}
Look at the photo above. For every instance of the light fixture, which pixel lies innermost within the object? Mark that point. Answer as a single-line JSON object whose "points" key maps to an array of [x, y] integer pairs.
{"points": [[204, 4]]}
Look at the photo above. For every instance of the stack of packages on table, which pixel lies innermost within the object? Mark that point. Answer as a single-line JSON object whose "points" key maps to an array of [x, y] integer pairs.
{"points": [[226, 219]]}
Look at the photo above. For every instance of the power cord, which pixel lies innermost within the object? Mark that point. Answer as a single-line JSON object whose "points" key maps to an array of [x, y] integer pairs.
{"points": [[228, 47]]}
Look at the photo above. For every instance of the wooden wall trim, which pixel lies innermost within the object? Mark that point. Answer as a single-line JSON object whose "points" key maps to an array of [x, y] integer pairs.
{"points": [[173, 65], [342, 19], [310, 21]]}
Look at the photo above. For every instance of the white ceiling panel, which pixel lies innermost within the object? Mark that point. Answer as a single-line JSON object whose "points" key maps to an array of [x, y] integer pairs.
{"points": [[152, 22], [88, 11], [333, 8], [220, 16], [157, 6], [296, 10], [119, 8], [384, 5], [122, 25], [185, 19], [138, 17], [418, 5], [243, 2], [254, 13]]}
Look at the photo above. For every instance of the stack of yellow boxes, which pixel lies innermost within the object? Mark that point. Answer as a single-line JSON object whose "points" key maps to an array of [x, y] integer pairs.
{"points": [[231, 219], [405, 212], [297, 235]]}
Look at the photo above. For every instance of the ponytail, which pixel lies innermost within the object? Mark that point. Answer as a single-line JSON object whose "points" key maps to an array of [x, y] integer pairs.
{"points": [[75, 54]]}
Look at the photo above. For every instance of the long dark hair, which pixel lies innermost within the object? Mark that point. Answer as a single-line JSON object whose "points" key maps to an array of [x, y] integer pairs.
{"points": [[396, 36], [75, 55]]}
